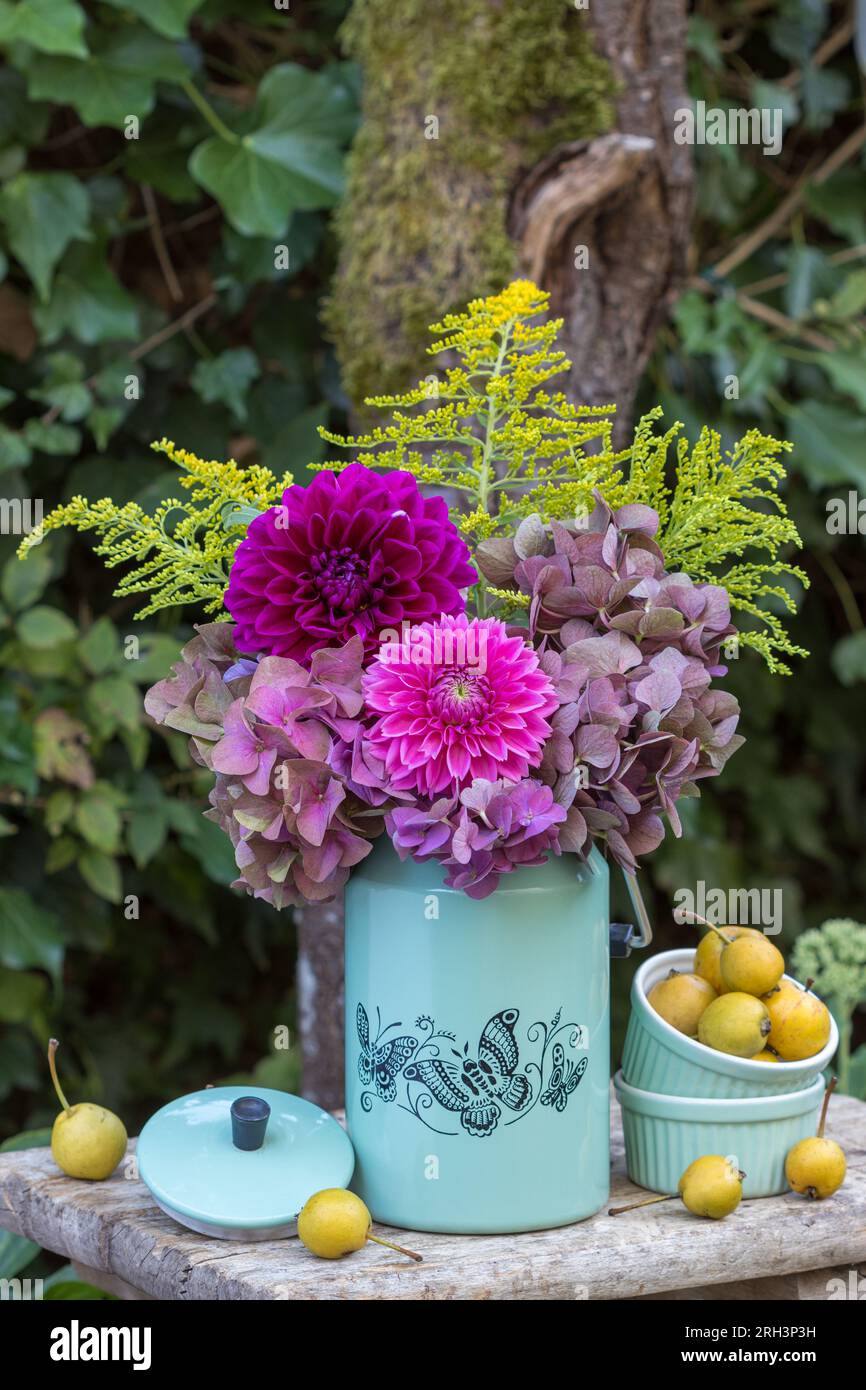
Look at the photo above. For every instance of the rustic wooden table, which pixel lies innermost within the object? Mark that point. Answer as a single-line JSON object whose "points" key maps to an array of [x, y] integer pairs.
{"points": [[776, 1248]]}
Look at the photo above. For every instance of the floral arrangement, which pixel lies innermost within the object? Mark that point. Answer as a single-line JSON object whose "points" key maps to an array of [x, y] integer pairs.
{"points": [[527, 672]]}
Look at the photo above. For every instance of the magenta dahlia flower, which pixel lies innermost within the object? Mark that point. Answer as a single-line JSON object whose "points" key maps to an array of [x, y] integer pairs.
{"points": [[352, 554], [457, 700]]}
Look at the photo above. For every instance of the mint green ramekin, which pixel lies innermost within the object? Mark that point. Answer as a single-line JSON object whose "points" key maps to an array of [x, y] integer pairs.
{"points": [[664, 1134], [656, 1057]]}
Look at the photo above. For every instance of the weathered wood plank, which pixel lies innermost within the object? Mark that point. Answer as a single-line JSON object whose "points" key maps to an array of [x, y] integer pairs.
{"points": [[115, 1228]]}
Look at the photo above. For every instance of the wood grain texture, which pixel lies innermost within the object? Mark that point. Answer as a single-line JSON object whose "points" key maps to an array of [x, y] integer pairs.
{"points": [[113, 1227]]}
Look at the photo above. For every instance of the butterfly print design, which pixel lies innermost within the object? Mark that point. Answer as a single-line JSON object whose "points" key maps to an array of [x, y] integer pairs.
{"points": [[381, 1062], [478, 1087], [564, 1078]]}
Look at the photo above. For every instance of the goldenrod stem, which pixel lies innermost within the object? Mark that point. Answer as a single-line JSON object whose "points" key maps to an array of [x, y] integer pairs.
{"points": [[401, 1249], [647, 1202], [827, 1094], [53, 1045]]}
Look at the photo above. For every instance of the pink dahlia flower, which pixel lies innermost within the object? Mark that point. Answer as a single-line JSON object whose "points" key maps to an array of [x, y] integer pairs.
{"points": [[457, 700], [350, 555]]}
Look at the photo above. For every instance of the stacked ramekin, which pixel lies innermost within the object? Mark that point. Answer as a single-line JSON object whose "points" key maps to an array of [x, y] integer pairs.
{"points": [[681, 1100]]}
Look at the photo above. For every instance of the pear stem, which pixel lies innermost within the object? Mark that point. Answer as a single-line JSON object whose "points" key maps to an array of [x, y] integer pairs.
{"points": [[401, 1249], [647, 1202], [53, 1045], [827, 1094], [698, 919]]}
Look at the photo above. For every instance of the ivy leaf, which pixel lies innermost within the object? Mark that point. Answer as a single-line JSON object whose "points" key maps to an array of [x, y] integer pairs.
{"points": [[168, 17], [87, 301], [21, 120], [17, 758], [146, 834], [839, 203], [113, 703], [290, 156], [850, 299], [22, 582], [847, 371], [101, 873], [252, 259], [796, 28], [102, 422], [64, 387], [848, 658], [43, 627], [15, 452], [42, 213], [807, 273], [825, 92], [16, 1252], [51, 26], [30, 936], [829, 444], [22, 995], [97, 820], [53, 438], [298, 439], [118, 79], [772, 96], [99, 649], [227, 378]]}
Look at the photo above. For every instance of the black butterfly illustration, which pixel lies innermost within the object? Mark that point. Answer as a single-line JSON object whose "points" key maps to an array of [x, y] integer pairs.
{"points": [[478, 1087], [563, 1079], [380, 1062]]}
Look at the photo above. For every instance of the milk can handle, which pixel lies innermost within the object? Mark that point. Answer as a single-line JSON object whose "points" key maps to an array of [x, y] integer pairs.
{"points": [[645, 932], [623, 938]]}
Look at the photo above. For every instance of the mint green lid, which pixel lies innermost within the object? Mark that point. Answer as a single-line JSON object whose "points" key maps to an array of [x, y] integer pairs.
{"points": [[190, 1163]]}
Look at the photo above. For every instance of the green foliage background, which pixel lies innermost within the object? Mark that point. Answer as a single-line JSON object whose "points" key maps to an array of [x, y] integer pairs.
{"points": [[148, 254]]}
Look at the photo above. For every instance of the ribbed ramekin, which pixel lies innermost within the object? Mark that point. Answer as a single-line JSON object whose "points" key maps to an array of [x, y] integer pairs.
{"points": [[664, 1134], [656, 1057]]}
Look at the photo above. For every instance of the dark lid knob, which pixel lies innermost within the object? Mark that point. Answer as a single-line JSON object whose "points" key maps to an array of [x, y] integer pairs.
{"points": [[250, 1115]]}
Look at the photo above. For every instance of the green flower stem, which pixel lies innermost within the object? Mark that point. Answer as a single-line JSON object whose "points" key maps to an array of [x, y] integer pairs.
{"points": [[204, 107], [484, 467], [844, 592]]}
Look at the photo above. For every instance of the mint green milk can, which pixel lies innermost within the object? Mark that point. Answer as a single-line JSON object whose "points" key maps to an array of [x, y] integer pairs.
{"points": [[478, 1044]]}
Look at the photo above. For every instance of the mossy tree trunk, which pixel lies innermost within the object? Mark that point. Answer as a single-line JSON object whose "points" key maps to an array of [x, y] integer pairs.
{"points": [[502, 137]]}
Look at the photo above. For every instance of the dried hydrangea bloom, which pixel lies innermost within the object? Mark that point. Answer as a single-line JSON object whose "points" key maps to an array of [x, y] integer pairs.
{"points": [[278, 737], [631, 651]]}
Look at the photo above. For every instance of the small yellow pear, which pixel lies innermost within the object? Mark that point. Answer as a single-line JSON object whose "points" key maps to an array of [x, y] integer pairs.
{"points": [[766, 1056], [87, 1140], [735, 1023], [712, 1186], [816, 1167], [334, 1222], [751, 965], [709, 952], [799, 1021], [680, 999]]}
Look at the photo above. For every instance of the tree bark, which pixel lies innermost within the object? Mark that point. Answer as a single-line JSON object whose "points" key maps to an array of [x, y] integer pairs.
{"points": [[623, 195], [320, 1001], [604, 224]]}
